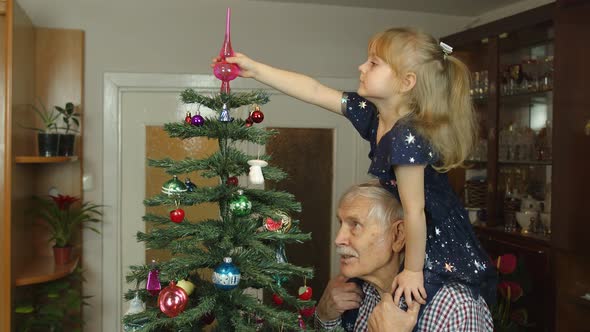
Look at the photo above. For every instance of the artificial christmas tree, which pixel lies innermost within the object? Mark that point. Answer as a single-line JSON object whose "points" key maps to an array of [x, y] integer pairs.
{"points": [[244, 246]]}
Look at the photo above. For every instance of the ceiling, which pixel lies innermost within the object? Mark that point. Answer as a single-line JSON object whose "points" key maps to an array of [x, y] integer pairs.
{"points": [[448, 7]]}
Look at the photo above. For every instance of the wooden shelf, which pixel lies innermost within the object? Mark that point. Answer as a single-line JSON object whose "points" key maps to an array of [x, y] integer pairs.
{"points": [[498, 233], [43, 269], [44, 160], [581, 301], [526, 162]]}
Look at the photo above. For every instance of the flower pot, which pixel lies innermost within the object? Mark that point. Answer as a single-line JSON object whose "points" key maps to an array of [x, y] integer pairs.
{"points": [[62, 255], [48, 144], [66, 144]]}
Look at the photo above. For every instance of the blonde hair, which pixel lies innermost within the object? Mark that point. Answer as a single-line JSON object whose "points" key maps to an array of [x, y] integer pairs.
{"points": [[440, 104], [384, 206]]}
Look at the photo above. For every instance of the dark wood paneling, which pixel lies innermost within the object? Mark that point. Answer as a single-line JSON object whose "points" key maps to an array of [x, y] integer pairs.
{"points": [[571, 160], [307, 156], [571, 178], [492, 122], [515, 22]]}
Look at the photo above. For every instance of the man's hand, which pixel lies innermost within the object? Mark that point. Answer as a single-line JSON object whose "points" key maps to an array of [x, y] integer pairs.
{"points": [[338, 297], [389, 317], [410, 284]]}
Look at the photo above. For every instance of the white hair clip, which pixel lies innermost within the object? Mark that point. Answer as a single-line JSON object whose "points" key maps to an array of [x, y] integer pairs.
{"points": [[447, 49]]}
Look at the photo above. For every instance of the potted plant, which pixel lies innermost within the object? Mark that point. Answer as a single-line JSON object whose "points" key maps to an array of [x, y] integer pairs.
{"points": [[64, 214], [52, 306], [47, 137], [510, 314], [70, 118]]}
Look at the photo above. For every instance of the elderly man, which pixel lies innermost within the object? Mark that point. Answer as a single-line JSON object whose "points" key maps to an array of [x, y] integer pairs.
{"points": [[370, 243]]}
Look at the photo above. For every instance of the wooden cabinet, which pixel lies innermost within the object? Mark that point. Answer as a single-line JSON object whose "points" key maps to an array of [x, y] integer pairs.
{"points": [[46, 65], [531, 96]]}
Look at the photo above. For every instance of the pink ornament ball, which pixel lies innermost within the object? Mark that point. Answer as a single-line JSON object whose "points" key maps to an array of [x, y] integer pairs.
{"points": [[226, 71]]}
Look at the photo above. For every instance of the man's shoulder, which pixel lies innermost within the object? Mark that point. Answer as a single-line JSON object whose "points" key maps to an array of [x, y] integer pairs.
{"points": [[457, 293], [455, 308]]}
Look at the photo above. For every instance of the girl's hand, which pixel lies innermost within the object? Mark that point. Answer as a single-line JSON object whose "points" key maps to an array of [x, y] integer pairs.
{"points": [[411, 285], [247, 66]]}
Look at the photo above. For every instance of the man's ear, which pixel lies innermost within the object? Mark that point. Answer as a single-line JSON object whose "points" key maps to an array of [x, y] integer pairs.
{"points": [[408, 81], [398, 233]]}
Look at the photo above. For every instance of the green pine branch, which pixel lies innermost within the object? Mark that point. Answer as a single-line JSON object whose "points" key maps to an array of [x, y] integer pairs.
{"points": [[235, 131], [264, 202], [233, 100], [233, 162]]}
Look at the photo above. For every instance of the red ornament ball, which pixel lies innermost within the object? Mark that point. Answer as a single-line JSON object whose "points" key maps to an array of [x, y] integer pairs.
{"points": [[257, 116], [249, 122], [172, 300], [307, 312], [188, 118], [272, 225], [208, 318], [305, 293], [177, 215], [232, 181], [277, 299]]}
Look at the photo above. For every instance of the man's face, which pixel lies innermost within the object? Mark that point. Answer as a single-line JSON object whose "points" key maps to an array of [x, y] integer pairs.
{"points": [[364, 245]]}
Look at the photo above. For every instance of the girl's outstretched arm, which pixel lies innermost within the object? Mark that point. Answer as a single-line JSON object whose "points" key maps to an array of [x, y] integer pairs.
{"points": [[293, 84], [410, 282]]}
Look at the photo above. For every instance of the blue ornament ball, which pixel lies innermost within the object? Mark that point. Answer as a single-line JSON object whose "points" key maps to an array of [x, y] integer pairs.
{"points": [[189, 185], [226, 276]]}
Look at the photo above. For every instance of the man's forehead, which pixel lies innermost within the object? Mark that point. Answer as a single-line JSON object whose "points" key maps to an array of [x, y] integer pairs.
{"points": [[357, 207]]}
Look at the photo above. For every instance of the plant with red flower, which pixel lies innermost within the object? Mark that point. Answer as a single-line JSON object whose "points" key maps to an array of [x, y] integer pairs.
{"points": [[510, 290], [506, 263], [64, 201], [64, 214]]}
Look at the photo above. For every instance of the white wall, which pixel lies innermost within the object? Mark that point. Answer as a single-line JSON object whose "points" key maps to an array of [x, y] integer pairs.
{"points": [[181, 36]]}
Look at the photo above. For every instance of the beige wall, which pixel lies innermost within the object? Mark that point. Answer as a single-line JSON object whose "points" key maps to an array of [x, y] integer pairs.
{"points": [[181, 36]]}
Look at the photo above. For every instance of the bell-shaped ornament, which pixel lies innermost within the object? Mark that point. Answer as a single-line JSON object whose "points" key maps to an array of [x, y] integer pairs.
{"points": [[255, 176], [135, 306], [224, 116]]}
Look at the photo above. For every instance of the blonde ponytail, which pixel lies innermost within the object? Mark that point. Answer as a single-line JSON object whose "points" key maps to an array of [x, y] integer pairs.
{"points": [[440, 104]]}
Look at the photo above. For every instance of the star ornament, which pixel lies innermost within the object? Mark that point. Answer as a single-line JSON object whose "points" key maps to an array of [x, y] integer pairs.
{"points": [[410, 138], [449, 267], [363, 104]]}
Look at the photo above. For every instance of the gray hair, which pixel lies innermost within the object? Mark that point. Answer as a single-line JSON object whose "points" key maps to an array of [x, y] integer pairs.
{"points": [[384, 206]]}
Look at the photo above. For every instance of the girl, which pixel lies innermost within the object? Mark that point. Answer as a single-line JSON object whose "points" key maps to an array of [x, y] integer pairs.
{"points": [[414, 108]]}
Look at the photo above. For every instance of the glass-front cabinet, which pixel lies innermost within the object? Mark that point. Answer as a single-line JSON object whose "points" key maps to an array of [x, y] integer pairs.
{"points": [[507, 184], [525, 116], [526, 184]]}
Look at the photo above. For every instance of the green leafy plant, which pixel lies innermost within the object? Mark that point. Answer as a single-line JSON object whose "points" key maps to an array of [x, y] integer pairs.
{"points": [[48, 118], [53, 306], [64, 214], [68, 114]]}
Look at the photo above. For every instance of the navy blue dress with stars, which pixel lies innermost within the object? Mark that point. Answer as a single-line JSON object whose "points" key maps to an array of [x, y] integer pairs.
{"points": [[453, 252]]}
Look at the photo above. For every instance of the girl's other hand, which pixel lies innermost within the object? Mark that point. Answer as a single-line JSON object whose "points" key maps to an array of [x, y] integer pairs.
{"points": [[410, 284], [247, 65]]}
